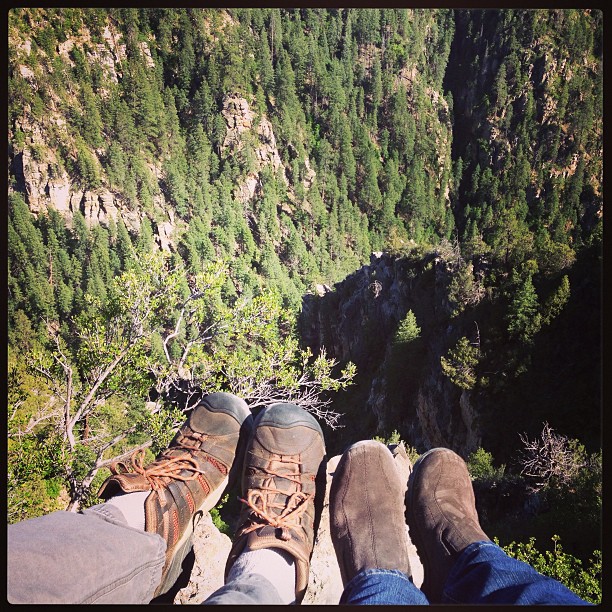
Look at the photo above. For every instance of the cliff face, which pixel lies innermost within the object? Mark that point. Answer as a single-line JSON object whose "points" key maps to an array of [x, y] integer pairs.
{"points": [[402, 389], [45, 186], [44, 148]]}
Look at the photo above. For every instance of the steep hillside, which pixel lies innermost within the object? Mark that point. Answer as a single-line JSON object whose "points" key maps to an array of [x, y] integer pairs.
{"points": [[527, 91], [506, 389], [522, 286], [285, 142]]}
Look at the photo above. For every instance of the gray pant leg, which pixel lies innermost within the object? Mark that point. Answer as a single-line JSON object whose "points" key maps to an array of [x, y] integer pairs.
{"points": [[249, 589], [93, 557]]}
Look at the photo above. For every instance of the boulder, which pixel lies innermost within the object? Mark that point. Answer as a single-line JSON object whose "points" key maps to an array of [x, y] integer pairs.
{"points": [[211, 549]]}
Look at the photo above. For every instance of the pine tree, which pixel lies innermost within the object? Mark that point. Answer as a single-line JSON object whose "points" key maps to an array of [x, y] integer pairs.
{"points": [[91, 123], [524, 319], [346, 159], [556, 302], [407, 330], [29, 288], [145, 242], [460, 364]]}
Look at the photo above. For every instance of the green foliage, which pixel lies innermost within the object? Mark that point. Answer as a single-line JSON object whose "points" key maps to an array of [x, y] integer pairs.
{"points": [[460, 362], [306, 71], [575, 503], [34, 476], [480, 465], [150, 329], [394, 439], [555, 303], [526, 153], [407, 330], [85, 167], [569, 481], [218, 522], [524, 318], [586, 582], [464, 289], [161, 427], [555, 256]]}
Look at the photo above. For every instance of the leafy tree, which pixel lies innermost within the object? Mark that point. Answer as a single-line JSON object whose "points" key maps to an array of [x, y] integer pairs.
{"points": [[370, 196], [246, 349], [554, 256], [480, 465]]}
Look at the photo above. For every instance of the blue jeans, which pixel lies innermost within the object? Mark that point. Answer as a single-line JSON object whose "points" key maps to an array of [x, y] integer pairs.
{"points": [[483, 574]]}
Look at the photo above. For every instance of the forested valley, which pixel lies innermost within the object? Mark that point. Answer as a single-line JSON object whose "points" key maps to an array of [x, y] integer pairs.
{"points": [[392, 217]]}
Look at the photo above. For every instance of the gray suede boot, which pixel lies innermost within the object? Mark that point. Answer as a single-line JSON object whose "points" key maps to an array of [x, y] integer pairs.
{"points": [[442, 517], [366, 506]]}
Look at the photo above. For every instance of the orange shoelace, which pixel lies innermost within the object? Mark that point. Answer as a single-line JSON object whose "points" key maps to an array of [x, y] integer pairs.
{"points": [[165, 468], [261, 504]]}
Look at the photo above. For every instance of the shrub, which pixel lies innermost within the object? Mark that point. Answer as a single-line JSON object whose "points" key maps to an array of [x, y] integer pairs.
{"points": [[480, 466], [218, 522], [394, 439], [553, 456], [584, 581]]}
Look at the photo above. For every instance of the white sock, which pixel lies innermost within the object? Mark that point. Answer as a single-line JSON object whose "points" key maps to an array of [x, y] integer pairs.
{"points": [[275, 564], [132, 507]]}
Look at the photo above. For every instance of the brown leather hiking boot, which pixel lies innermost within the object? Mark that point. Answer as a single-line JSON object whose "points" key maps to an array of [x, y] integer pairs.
{"points": [[188, 478], [284, 457], [366, 511], [442, 517]]}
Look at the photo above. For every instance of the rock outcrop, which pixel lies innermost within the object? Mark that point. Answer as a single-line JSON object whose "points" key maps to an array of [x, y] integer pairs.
{"points": [[241, 123], [245, 130], [211, 549], [357, 321]]}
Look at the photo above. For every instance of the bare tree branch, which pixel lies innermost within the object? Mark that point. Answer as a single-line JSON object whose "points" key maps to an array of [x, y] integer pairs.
{"points": [[549, 456]]}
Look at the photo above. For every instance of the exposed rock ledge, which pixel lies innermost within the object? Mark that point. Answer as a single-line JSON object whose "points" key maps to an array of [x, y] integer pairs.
{"points": [[46, 187], [211, 549]]}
